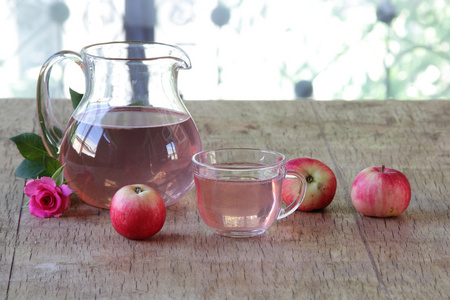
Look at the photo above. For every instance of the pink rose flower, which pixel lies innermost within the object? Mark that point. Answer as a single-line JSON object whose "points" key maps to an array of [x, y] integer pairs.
{"points": [[47, 198]]}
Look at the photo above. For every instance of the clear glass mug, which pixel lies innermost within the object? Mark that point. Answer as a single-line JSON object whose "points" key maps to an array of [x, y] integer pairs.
{"points": [[239, 190]]}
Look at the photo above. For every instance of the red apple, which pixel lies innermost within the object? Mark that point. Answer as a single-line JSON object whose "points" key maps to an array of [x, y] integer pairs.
{"points": [[321, 184], [137, 211], [381, 192]]}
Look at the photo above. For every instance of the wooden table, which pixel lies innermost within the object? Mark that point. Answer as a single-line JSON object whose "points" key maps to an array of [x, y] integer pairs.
{"points": [[335, 253]]}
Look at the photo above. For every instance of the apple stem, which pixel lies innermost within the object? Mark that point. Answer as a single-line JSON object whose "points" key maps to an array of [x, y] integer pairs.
{"points": [[138, 190], [309, 179], [382, 169]]}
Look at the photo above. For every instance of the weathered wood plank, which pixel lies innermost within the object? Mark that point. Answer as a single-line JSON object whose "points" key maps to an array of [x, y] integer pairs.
{"points": [[15, 119], [335, 253], [410, 253]]}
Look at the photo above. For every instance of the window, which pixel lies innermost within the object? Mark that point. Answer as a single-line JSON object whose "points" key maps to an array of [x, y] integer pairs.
{"points": [[244, 49]]}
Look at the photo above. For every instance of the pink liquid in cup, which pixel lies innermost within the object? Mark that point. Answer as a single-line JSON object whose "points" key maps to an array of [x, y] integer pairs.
{"points": [[240, 205]]}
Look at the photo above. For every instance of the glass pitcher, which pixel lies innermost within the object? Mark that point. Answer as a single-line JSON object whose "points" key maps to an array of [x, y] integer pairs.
{"points": [[131, 127]]}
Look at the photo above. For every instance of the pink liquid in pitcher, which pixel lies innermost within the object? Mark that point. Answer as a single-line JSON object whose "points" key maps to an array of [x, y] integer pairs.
{"points": [[104, 150], [241, 205]]}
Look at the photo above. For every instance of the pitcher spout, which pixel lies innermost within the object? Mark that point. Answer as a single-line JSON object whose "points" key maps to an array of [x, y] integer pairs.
{"points": [[183, 60]]}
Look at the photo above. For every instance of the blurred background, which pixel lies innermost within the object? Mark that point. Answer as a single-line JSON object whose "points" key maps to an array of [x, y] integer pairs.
{"points": [[244, 49]]}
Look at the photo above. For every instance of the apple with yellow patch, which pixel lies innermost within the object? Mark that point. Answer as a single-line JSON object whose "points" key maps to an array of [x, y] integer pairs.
{"points": [[137, 211], [321, 184], [381, 192]]}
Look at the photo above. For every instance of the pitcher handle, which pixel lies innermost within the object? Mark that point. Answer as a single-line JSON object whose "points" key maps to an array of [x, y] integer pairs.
{"points": [[284, 212], [52, 132]]}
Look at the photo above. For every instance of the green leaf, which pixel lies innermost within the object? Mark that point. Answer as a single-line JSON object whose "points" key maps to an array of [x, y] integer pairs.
{"points": [[31, 147], [51, 165], [29, 169], [58, 176], [75, 97], [58, 132], [137, 103]]}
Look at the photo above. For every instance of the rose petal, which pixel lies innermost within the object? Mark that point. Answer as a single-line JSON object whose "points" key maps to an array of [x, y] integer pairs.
{"points": [[46, 180], [36, 210], [66, 190], [31, 188], [46, 199], [66, 203]]}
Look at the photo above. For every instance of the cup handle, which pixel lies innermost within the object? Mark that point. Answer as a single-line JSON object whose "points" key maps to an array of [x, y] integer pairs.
{"points": [[284, 212]]}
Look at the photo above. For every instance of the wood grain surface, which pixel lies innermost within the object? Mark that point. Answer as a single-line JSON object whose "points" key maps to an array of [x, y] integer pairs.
{"points": [[335, 253]]}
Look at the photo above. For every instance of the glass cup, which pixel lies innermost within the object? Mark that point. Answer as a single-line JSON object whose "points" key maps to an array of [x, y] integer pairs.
{"points": [[239, 190]]}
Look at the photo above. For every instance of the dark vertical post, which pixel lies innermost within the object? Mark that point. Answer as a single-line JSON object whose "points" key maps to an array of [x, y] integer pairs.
{"points": [[139, 21]]}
